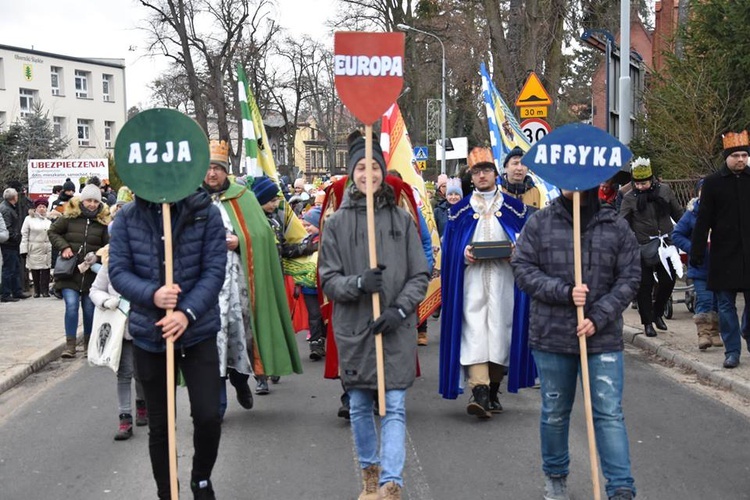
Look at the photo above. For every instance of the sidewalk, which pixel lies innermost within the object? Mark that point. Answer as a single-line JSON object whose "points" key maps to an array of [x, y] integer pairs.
{"points": [[679, 345], [32, 334]]}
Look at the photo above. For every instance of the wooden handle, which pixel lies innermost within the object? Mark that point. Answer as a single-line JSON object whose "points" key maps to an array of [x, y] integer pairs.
{"points": [[373, 253], [169, 281], [584, 351]]}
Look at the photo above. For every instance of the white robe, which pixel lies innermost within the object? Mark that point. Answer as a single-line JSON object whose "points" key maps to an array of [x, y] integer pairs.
{"points": [[488, 292]]}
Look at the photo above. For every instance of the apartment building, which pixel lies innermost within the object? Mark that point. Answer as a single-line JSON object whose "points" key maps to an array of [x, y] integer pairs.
{"points": [[84, 97]]}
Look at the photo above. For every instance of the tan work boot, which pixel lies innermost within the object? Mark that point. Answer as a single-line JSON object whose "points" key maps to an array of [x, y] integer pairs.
{"points": [[422, 338], [714, 329], [390, 491], [703, 325], [370, 480], [70, 348]]}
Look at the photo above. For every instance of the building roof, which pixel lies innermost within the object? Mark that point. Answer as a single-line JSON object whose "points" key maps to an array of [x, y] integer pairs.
{"points": [[114, 63]]}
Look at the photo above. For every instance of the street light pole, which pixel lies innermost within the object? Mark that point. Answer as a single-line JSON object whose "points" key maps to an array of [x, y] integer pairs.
{"points": [[406, 27]]}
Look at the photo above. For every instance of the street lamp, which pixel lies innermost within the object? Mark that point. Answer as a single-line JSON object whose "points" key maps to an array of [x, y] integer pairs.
{"points": [[406, 27]]}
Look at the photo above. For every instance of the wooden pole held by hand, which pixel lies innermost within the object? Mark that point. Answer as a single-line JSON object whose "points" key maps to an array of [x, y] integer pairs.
{"points": [[379, 357], [169, 281], [582, 347]]}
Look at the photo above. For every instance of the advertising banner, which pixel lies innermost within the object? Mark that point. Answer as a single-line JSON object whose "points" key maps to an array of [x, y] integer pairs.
{"points": [[44, 174]]}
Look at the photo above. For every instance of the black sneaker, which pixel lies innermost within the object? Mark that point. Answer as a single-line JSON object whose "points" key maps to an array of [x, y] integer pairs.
{"points": [[261, 386], [732, 361], [245, 396], [202, 490]]}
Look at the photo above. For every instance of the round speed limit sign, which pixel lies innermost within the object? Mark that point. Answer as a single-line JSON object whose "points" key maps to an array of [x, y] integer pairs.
{"points": [[535, 129]]}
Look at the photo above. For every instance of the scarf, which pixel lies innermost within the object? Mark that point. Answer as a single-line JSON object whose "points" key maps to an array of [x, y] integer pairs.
{"points": [[589, 206], [651, 195], [90, 214]]}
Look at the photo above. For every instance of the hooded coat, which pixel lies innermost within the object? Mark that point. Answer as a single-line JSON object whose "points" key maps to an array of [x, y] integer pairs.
{"points": [[82, 235], [35, 241], [343, 257]]}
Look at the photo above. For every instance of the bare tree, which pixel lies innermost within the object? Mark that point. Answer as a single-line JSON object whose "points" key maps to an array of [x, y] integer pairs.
{"points": [[204, 39]]}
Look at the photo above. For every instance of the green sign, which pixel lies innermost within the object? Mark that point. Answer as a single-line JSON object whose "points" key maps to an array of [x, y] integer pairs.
{"points": [[162, 155]]}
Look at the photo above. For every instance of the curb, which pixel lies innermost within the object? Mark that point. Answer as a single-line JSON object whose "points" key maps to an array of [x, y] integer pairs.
{"points": [[714, 375], [18, 373]]}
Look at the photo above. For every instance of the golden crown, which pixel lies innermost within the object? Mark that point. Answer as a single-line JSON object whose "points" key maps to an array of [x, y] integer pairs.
{"points": [[219, 151], [480, 155], [735, 140], [640, 169]]}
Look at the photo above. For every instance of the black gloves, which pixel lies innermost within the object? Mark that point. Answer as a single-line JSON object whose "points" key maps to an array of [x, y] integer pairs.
{"points": [[696, 261], [371, 281], [389, 321]]}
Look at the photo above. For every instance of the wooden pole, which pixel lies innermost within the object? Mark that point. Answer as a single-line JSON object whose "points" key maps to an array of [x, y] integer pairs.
{"points": [[379, 358], [582, 347], [169, 281]]}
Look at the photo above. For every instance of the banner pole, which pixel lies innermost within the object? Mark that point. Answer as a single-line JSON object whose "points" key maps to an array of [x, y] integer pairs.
{"points": [[379, 356], [582, 347], [169, 281]]}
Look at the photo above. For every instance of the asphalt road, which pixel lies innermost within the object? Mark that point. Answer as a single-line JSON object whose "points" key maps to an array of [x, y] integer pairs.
{"points": [[687, 441]]}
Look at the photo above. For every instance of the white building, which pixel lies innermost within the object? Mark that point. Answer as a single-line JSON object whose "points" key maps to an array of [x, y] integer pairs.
{"points": [[84, 97]]}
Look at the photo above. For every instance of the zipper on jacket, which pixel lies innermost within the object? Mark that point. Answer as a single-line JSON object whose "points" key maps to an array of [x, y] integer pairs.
{"points": [[85, 238]]}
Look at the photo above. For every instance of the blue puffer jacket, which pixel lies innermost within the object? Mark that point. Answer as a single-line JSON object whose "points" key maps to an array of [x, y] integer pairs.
{"points": [[681, 237], [136, 267]]}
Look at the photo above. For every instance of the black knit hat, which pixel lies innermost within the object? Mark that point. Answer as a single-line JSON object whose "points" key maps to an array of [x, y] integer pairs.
{"points": [[356, 142], [69, 186], [516, 151]]}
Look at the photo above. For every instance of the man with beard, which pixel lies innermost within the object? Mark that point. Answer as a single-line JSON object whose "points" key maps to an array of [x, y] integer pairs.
{"points": [[479, 295], [725, 212]]}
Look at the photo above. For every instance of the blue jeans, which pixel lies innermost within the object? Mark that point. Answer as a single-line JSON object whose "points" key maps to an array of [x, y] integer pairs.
{"points": [[729, 323], [705, 299], [392, 432], [558, 374], [72, 299], [11, 272]]}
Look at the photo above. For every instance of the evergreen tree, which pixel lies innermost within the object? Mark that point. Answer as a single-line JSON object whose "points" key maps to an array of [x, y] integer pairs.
{"points": [[32, 138], [702, 94]]}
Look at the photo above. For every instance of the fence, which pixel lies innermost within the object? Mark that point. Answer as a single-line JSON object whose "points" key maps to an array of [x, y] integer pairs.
{"points": [[684, 189]]}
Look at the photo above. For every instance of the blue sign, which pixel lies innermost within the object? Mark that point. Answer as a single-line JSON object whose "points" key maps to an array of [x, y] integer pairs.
{"points": [[420, 153], [577, 157]]}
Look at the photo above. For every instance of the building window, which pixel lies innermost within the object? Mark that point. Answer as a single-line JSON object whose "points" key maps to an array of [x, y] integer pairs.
{"points": [[27, 102], [82, 84], [109, 132], [3, 118], [2, 74], [84, 132], [312, 134], [321, 163], [58, 125], [56, 80], [106, 87], [342, 160], [312, 159]]}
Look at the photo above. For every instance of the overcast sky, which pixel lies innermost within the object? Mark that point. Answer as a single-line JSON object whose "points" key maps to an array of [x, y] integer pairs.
{"points": [[109, 28]]}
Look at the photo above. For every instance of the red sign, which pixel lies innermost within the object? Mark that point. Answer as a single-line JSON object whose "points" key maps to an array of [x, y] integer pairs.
{"points": [[368, 71]]}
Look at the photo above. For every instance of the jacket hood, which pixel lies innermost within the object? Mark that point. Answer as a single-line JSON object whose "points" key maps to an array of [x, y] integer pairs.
{"points": [[604, 214], [73, 210]]}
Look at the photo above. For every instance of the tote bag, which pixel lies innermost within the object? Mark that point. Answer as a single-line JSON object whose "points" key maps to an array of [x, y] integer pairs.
{"points": [[105, 345]]}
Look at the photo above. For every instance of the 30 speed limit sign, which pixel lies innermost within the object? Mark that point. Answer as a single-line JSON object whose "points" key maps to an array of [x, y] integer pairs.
{"points": [[535, 129]]}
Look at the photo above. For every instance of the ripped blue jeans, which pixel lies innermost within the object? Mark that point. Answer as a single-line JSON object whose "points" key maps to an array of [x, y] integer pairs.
{"points": [[558, 374]]}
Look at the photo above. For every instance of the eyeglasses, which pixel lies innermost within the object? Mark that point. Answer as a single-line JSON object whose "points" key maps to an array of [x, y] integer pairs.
{"points": [[481, 169]]}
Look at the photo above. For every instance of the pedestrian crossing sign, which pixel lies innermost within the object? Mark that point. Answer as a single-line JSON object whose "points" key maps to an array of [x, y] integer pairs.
{"points": [[420, 153]]}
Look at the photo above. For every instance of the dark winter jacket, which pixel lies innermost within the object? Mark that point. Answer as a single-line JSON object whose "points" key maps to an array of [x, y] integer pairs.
{"points": [[82, 235], [343, 257], [441, 215], [725, 211], [543, 265], [13, 224], [681, 235], [136, 267], [651, 222]]}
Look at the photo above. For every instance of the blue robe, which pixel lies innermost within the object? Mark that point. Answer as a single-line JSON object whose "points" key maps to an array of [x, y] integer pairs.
{"points": [[458, 234]]}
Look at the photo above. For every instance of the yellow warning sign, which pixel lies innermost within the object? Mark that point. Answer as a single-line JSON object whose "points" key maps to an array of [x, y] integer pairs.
{"points": [[422, 165], [533, 93]]}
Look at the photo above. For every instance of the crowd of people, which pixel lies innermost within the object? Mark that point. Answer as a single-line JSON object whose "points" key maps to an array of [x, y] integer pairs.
{"points": [[257, 262]]}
